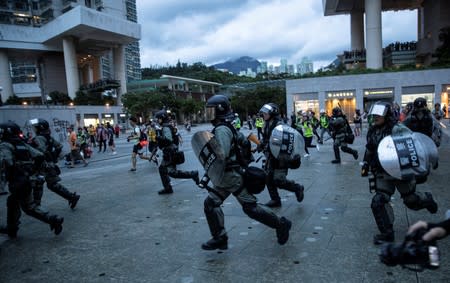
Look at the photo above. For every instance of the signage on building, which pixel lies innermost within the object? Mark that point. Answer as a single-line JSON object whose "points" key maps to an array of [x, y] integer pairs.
{"points": [[340, 94]]}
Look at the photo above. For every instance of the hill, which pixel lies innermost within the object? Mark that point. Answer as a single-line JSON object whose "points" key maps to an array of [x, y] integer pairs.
{"points": [[240, 64]]}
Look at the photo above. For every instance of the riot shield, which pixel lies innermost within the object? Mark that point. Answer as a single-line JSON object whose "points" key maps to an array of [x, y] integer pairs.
{"points": [[210, 154], [286, 144], [407, 156]]}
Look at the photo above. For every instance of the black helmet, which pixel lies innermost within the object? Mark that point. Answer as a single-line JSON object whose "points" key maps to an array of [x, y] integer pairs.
{"points": [[271, 109], [381, 108], [218, 107], [337, 111], [10, 131], [40, 125], [163, 115], [420, 102]]}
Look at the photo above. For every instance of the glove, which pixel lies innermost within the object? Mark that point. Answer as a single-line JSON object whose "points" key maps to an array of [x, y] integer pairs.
{"points": [[365, 169]]}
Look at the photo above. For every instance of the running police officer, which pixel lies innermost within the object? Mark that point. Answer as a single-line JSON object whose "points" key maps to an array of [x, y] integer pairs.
{"points": [[338, 125], [51, 148], [21, 161], [167, 142], [384, 185], [229, 180], [276, 171]]}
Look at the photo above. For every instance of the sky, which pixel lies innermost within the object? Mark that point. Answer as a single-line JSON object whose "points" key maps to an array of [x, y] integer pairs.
{"points": [[214, 31]]}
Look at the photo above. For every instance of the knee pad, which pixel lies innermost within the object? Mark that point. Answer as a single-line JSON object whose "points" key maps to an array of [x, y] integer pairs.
{"points": [[249, 209], [379, 200], [412, 201], [210, 204]]}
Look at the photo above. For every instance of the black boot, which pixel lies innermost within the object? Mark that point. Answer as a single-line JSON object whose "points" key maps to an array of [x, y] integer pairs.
{"points": [[431, 205], [215, 243], [384, 237], [11, 232], [337, 155], [283, 231], [74, 200], [165, 191], [273, 203], [56, 224], [299, 193]]}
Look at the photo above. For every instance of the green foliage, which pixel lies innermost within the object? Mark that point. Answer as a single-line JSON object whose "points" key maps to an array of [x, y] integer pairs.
{"points": [[93, 98], [443, 52], [59, 98], [250, 101], [190, 106], [14, 100]]}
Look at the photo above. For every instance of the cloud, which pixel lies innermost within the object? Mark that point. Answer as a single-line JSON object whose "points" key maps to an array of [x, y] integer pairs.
{"points": [[213, 31]]}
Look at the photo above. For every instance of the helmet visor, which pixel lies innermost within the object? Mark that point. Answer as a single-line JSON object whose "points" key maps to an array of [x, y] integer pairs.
{"points": [[210, 113], [378, 110], [266, 109]]}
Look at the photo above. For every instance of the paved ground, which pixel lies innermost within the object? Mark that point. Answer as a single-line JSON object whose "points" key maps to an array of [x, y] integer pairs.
{"points": [[123, 231]]}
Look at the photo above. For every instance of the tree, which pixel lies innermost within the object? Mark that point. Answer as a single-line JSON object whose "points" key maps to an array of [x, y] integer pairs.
{"points": [[59, 98], [443, 52], [190, 106], [14, 100], [249, 102]]}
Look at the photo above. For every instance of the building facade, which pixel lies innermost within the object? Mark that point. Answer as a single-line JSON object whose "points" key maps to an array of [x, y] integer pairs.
{"points": [[352, 92], [62, 45]]}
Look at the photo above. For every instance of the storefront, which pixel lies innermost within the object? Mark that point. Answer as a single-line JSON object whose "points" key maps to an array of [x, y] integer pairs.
{"points": [[370, 96], [306, 102], [444, 99], [344, 99], [108, 118], [410, 93], [90, 119]]}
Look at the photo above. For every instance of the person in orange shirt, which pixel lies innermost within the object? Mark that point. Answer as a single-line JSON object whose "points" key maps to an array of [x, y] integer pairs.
{"points": [[75, 148]]}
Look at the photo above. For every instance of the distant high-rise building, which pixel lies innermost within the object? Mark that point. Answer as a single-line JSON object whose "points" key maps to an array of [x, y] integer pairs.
{"points": [[271, 69], [291, 69], [263, 67], [65, 45], [305, 66], [283, 66]]}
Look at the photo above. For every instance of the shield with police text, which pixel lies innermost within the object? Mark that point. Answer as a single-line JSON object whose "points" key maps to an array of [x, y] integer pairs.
{"points": [[286, 144], [210, 154], [407, 156]]}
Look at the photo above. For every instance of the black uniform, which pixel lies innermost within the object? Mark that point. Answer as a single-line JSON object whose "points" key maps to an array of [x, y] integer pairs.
{"points": [[384, 185], [22, 162], [51, 149], [277, 173], [339, 132], [165, 138]]}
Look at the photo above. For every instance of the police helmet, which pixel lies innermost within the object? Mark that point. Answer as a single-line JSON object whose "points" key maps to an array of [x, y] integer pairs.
{"points": [[420, 102], [337, 111], [271, 109], [163, 115], [322, 111], [39, 125], [9, 131], [381, 108], [218, 107]]}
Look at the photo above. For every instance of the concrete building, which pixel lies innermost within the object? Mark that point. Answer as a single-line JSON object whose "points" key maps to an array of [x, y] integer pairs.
{"points": [[432, 16], [360, 91], [63, 45], [305, 66]]}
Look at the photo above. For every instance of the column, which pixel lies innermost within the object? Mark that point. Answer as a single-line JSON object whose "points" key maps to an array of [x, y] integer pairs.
{"points": [[398, 94], [71, 67], [359, 96], [119, 71], [357, 30], [90, 74], [5, 77], [437, 95], [374, 50]]}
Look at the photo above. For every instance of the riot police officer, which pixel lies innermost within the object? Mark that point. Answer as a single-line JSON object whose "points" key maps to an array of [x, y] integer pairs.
{"points": [[51, 148], [420, 118], [218, 111], [167, 140], [21, 161], [339, 129], [384, 185], [276, 171]]}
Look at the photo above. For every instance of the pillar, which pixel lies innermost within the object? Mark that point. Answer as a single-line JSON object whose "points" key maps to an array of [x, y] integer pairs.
{"points": [[71, 67], [357, 30], [437, 95], [119, 71], [5, 77], [374, 51]]}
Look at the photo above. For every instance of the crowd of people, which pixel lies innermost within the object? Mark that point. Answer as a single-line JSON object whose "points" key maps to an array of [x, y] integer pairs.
{"points": [[31, 164]]}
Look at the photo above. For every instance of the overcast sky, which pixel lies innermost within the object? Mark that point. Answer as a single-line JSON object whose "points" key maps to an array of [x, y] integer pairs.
{"points": [[213, 31]]}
